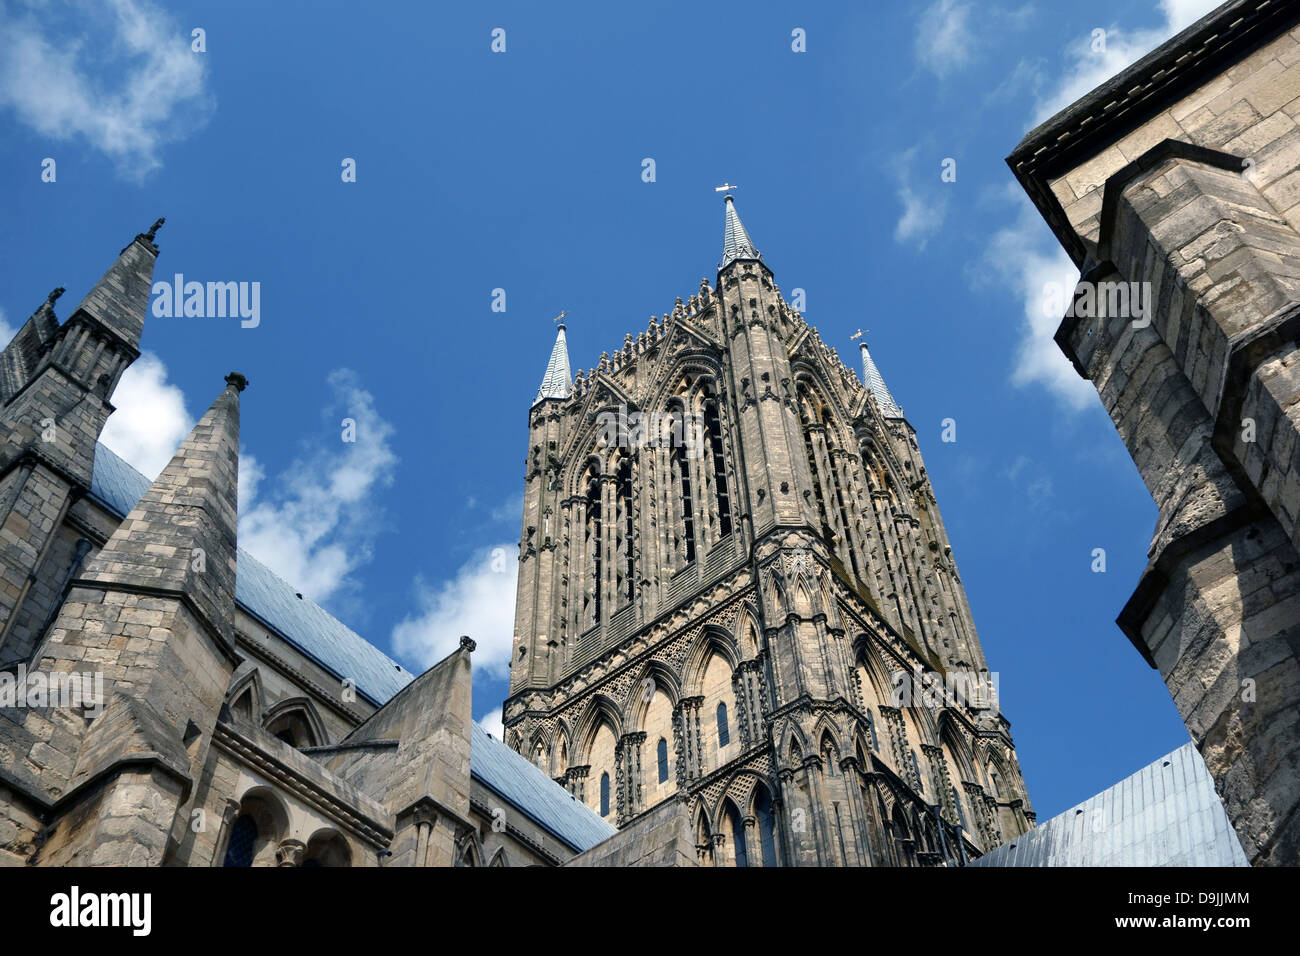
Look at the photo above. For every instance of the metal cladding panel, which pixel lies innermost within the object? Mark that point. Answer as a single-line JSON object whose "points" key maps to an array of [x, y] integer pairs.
{"points": [[1166, 814], [518, 781]]}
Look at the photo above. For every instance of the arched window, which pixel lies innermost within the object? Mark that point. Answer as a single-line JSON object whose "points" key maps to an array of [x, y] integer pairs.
{"points": [[681, 473], [724, 733], [604, 794], [737, 834], [847, 543], [593, 549], [663, 760], [713, 429], [243, 835], [626, 529], [810, 422]]}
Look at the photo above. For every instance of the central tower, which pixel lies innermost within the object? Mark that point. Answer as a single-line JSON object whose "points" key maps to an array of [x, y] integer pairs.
{"points": [[736, 594]]}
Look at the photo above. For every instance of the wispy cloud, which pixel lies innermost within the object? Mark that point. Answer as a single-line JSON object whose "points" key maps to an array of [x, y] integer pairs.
{"points": [[478, 601], [1025, 257], [491, 722], [151, 420], [1024, 254], [120, 76], [924, 206], [944, 42], [1091, 61], [319, 521]]}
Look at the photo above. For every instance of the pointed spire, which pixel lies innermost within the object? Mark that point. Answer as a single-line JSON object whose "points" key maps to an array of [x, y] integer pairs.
{"points": [[120, 299], [735, 240], [875, 382], [557, 382], [180, 537]]}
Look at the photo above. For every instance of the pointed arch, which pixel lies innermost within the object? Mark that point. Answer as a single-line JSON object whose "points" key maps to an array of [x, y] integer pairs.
{"points": [[469, 852], [600, 710], [638, 701], [297, 722], [829, 752], [734, 828], [825, 727], [244, 694], [792, 744], [954, 742], [748, 633], [499, 858], [805, 604], [871, 666], [562, 751], [711, 640]]}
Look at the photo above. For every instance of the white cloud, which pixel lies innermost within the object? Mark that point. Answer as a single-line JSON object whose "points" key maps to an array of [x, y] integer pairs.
{"points": [[251, 474], [120, 76], [923, 211], [7, 332], [1088, 67], [151, 420], [319, 522], [479, 601], [491, 722], [1026, 257], [943, 38], [1180, 14]]}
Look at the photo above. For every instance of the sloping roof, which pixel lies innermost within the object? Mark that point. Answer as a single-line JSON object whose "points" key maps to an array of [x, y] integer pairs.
{"points": [[558, 381], [1166, 814], [875, 382], [300, 621], [1128, 99], [345, 653], [736, 243], [512, 776]]}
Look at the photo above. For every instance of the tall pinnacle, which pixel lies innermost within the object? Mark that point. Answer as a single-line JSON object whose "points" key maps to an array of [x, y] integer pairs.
{"points": [[180, 536], [557, 382], [736, 243], [875, 382], [120, 299]]}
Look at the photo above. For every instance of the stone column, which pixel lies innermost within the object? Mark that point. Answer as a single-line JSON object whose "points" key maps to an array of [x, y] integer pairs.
{"points": [[628, 774], [688, 740]]}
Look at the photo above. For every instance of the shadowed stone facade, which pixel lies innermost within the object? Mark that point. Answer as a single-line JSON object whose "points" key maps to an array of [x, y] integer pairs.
{"points": [[223, 719], [1183, 173], [732, 569]]}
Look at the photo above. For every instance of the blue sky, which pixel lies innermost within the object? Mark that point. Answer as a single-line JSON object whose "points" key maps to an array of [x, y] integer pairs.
{"points": [[522, 171]]}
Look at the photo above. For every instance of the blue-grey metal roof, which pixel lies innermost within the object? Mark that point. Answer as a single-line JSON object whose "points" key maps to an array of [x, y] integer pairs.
{"points": [[1166, 814], [300, 621], [515, 779]]}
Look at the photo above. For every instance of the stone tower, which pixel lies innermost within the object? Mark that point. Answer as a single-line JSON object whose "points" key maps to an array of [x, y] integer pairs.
{"points": [[738, 608], [1175, 188]]}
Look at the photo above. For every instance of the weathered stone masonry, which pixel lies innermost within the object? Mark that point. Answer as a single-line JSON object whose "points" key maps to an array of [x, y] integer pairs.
{"points": [[1184, 172]]}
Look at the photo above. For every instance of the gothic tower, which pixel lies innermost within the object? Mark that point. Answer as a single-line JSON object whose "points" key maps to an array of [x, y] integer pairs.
{"points": [[737, 602]]}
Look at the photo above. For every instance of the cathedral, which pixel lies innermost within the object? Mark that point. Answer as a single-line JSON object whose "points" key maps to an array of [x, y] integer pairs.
{"points": [[740, 627], [741, 638]]}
